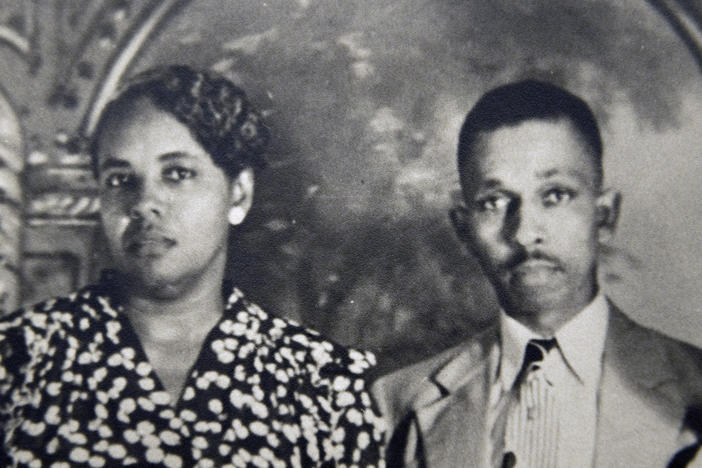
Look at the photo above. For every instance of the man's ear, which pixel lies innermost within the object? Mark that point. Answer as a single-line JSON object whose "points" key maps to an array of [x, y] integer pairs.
{"points": [[242, 190], [608, 204], [460, 219]]}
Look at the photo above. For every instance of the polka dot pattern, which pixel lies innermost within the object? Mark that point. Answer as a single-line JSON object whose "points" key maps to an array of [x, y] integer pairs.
{"points": [[76, 389]]}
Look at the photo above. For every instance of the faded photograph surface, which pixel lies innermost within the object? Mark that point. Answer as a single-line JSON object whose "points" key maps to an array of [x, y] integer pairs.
{"points": [[349, 232], [353, 222]]}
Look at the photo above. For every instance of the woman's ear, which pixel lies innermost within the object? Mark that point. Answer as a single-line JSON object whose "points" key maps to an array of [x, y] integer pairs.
{"points": [[608, 204], [242, 190]]}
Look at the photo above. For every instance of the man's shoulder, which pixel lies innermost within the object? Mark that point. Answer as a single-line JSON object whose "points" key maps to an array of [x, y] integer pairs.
{"points": [[405, 379], [627, 332], [644, 351], [401, 390]]}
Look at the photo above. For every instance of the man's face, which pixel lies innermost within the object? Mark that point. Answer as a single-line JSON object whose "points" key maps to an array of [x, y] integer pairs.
{"points": [[532, 203], [164, 203]]}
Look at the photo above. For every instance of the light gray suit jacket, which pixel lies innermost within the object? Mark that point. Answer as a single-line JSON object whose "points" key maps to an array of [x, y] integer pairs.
{"points": [[435, 409]]}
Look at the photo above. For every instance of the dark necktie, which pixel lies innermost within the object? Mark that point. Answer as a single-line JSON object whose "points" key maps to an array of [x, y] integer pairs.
{"points": [[536, 351]]}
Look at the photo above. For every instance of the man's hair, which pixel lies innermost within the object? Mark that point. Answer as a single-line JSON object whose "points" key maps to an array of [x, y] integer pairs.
{"points": [[514, 103], [217, 113]]}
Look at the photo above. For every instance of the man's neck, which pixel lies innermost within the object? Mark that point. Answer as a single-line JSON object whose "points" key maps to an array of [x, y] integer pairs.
{"points": [[544, 323], [546, 314], [547, 321]]}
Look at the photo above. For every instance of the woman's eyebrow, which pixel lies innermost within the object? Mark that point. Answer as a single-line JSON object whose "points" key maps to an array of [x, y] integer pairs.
{"points": [[111, 163], [489, 184], [173, 156]]}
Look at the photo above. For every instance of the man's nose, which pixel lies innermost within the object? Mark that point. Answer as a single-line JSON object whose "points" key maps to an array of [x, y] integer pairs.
{"points": [[525, 225]]}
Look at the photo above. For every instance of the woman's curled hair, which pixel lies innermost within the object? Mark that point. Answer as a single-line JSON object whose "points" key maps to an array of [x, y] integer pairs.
{"points": [[217, 113]]}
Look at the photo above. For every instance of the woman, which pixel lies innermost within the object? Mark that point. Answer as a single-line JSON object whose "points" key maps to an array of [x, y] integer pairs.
{"points": [[153, 365]]}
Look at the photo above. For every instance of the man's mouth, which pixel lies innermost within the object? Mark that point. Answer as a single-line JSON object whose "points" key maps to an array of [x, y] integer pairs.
{"points": [[537, 267], [534, 264]]}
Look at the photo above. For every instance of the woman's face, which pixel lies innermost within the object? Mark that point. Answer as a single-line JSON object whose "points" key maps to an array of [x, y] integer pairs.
{"points": [[164, 203]]}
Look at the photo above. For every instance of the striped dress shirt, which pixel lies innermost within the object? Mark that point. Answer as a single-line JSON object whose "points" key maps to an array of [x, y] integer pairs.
{"points": [[547, 417]]}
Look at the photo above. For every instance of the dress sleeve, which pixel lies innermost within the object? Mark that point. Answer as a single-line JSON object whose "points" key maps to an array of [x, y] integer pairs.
{"points": [[357, 430], [13, 358]]}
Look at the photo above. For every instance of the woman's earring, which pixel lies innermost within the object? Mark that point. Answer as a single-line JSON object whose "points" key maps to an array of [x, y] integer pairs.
{"points": [[236, 215]]}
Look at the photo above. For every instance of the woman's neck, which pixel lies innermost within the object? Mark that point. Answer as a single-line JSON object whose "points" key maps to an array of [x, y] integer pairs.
{"points": [[172, 331], [183, 318], [178, 308]]}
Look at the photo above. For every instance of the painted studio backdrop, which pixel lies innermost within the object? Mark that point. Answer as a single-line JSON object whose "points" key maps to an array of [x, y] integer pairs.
{"points": [[350, 232]]}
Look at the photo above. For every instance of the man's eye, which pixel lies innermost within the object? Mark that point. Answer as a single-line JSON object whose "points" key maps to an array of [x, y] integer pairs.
{"points": [[493, 203], [176, 174], [556, 196], [117, 180]]}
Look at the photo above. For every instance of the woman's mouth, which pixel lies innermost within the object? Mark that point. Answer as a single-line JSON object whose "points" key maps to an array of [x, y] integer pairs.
{"points": [[148, 244]]}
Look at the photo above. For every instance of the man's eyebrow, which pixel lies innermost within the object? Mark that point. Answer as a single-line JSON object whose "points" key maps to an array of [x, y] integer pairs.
{"points": [[554, 172], [547, 173], [111, 163]]}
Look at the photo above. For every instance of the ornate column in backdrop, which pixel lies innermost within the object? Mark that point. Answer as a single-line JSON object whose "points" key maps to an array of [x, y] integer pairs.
{"points": [[11, 165]]}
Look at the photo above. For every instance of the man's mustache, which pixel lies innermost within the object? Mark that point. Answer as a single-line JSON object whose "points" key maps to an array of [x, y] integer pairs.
{"points": [[523, 255]]}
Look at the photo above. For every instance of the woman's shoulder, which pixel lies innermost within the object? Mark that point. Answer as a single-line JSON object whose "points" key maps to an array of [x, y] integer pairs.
{"points": [[28, 334], [57, 313], [304, 349], [325, 381]]}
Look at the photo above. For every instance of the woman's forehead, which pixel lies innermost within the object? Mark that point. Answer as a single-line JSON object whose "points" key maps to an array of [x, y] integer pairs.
{"points": [[141, 131]]}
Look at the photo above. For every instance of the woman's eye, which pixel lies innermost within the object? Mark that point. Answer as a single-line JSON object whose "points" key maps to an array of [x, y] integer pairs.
{"points": [[493, 203], [117, 180], [556, 196], [176, 174]]}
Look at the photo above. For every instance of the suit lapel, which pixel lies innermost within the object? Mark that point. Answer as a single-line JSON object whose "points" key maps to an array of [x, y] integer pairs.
{"points": [[452, 425], [639, 416]]}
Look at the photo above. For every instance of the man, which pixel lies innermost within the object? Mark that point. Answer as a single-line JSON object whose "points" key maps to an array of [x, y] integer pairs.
{"points": [[564, 378]]}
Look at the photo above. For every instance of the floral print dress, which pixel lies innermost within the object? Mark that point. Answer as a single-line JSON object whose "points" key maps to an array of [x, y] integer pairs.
{"points": [[76, 389]]}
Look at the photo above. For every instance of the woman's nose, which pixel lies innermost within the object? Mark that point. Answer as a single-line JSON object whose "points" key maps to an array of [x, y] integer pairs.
{"points": [[148, 202], [143, 211]]}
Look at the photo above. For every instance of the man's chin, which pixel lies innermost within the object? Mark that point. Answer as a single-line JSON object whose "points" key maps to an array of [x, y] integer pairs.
{"points": [[532, 295]]}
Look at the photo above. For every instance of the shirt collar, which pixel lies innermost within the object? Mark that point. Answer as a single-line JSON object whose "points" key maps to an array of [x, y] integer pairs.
{"points": [[580, 341]]}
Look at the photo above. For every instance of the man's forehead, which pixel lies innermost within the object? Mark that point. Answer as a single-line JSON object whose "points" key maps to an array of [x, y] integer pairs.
{"points": [[537, 147]]}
